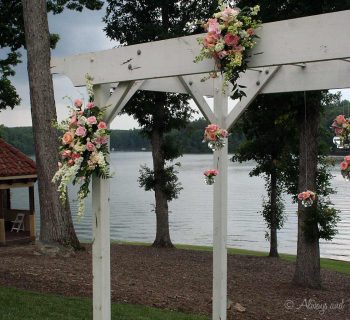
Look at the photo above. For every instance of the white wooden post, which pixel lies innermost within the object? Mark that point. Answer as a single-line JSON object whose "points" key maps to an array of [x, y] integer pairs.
{"points": [[220, 211], [101, 234]]}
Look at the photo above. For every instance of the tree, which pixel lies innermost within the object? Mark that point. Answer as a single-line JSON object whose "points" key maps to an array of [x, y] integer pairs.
{"points": [[307, 272], [55, 218], [268, 127], [136, 21]]}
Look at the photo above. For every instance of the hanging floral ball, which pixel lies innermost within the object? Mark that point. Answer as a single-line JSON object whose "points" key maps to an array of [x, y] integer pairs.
{"points": [[215, 136], [341, 129], [307, 198], [209, 176]]}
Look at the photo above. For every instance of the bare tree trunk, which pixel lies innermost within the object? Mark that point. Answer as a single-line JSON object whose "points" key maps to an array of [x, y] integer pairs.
{"points": [[162, 212], [274, 213], [307, 271], [55, 218]]}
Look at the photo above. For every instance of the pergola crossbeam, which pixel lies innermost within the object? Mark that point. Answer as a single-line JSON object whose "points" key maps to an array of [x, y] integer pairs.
{"points": [[294, 41]]}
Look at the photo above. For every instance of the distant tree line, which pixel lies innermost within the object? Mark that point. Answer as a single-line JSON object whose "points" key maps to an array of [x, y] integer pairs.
{"points": [[189, 139]]}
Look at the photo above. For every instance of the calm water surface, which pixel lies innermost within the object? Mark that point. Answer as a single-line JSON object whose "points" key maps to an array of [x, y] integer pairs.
{"points": [[133, 219]]}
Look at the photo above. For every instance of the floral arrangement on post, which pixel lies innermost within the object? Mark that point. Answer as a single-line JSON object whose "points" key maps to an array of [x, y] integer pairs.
{"points": [[230, 35], [215, 136], [307, 198], [209, 176], [341, 128], [84, 148], [345, 168]]}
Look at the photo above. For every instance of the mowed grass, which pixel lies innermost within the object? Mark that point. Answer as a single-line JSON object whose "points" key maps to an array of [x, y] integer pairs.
{"points": [[23, 305], [329, 264]]}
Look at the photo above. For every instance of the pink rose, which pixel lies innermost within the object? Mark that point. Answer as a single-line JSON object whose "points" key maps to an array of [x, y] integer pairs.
{"points": [[222, 54], [250, 31], [214, 26], [66, 154], [73, 120], [78, 103], [211, 172], [75, 156], [224, 133], [101, 140], [210, 40], [347, 159], [80, 132], [340, 119], [90, 146], [102, 125], [231, 40], [338, 131], [344, 165], [70, 162], [90, 105], [228, 14], [91, 120]]}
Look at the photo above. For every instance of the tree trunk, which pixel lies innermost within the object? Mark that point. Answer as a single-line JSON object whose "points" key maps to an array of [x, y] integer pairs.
{"points": [[55, 218], [162, 213], [307, 271], [274, 213]]}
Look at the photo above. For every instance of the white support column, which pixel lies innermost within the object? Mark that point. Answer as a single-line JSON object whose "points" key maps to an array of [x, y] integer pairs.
{"points": [[101, 234], [220, 211]]}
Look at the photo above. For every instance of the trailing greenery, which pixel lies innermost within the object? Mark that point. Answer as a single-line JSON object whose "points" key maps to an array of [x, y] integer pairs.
{"points": [[170, 181], [18, 304]]}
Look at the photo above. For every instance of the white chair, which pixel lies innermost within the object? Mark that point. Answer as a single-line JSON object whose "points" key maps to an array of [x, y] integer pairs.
{"points": [[18, 224]]}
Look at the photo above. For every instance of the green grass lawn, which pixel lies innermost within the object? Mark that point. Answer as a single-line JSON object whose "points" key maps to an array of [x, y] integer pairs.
{"points": [[22, 305], [329, 264]]}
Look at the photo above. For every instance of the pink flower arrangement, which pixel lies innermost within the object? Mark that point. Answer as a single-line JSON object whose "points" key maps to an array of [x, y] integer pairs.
{"points": [[84, 148], [341, 128], [230, 35], [345, 168], [215, 136], [307, 198], [209, 176]]}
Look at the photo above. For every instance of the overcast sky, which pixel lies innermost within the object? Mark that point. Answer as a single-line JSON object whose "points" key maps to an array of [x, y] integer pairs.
{"points": [[79, 33]]}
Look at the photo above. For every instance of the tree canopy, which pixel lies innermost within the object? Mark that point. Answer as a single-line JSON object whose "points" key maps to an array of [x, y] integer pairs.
{"points": [[12, 39]]}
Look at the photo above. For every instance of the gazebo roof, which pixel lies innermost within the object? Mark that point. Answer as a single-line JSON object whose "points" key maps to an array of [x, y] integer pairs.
{"points": [[14, 164]]}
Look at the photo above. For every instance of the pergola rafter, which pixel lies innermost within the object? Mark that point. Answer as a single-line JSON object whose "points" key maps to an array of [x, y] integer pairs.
{"points": [[292, 55]]}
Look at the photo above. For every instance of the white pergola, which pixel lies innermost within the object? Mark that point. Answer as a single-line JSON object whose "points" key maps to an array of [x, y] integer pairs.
{"points": [[311, 53]]}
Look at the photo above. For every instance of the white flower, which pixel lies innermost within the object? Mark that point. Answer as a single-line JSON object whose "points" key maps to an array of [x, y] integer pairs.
{"points": [[82, 120]]}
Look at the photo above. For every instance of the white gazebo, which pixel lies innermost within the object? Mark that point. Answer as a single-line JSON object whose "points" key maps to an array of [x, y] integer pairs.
{"points": [[311, 53]]}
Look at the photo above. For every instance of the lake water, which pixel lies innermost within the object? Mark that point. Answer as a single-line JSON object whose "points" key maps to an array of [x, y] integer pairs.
{"points": [[133, 219]]}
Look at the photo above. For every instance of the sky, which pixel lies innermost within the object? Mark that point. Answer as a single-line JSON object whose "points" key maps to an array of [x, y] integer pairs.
{"points": [[80, 32]]}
